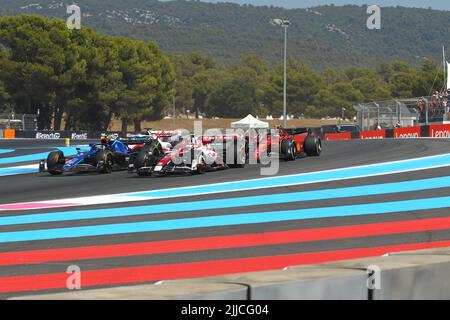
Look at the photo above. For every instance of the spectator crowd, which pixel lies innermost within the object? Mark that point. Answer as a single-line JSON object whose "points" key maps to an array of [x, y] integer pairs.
{"points": [[438, 105]]}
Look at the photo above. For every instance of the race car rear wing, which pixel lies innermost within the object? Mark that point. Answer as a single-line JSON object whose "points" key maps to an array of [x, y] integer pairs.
{"points": [[135, 140], [295, 131], [220, 138]]}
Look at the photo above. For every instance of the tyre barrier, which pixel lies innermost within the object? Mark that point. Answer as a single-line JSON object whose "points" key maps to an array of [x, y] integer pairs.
{"points": [[405, 275], [429, 131]]}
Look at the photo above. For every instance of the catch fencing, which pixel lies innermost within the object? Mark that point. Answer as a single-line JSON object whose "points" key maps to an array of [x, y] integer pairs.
{"points": [[424, 131], [401, 113], [23, 122]]}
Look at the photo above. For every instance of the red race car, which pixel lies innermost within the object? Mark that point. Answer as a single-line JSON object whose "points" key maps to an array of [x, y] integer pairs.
{"points": [[292, 143]]}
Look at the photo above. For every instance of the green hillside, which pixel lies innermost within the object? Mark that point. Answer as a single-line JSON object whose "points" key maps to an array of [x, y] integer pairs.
{"points": [[323, 37]]}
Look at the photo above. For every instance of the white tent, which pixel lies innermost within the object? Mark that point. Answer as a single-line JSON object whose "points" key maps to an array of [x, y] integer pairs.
{"points": [[250, 122]]}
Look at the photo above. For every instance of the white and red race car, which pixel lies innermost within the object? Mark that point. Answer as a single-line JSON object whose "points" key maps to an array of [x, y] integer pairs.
{"points": [[195, 156]]}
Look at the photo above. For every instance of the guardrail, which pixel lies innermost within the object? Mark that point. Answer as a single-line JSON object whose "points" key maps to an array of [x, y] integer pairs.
{"points": [[7, 134], [429, 131]]}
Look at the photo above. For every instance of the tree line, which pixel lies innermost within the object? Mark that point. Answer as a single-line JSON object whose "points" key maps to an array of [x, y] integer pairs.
{"points": [[87, 79], [80, 75], [323, 36], [205, 87]]}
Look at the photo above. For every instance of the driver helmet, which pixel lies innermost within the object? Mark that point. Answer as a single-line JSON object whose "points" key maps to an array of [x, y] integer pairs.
{"points": [[104, 139], [195, 140]]}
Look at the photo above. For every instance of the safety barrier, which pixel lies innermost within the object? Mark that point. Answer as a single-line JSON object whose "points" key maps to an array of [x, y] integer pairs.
{"points": [[9, 133], [431, 131], [314, 282], [404, 275], [410, 132], [408, 275], [439, 131], [378, 134], [338, 136], [49, 135], [163, 290]]}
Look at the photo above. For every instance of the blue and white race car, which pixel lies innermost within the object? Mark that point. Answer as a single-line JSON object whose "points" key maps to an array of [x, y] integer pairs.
{"points": [[103, 157]]}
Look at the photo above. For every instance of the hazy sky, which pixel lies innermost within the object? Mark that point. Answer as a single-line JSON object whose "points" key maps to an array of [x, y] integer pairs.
{"points": [[435, 4]]}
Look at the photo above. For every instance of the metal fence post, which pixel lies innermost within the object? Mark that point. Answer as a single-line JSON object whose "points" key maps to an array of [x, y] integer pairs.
{"points": [[396, 111], [361, 116], [400, 115], [391, 118], [378, 114]]}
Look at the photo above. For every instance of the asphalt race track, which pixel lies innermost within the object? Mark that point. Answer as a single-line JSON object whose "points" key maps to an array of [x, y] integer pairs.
{"points": [[308, 214]]}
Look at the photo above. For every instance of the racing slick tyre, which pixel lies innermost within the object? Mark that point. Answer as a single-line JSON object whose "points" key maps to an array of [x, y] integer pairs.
{"points": [[288, 150], [239, 156], [201, 166], [143, 160], [54, 159], [312, 146], [106, 158]]}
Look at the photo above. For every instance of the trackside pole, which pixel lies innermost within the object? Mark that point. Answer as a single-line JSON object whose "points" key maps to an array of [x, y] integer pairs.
{"points": [[444, 64]]}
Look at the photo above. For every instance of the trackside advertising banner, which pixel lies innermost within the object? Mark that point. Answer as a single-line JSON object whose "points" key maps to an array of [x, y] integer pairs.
{"points": [[440, 131], [338, 136], [378, 134], [73, 135], [47, 135], [407, 133]]}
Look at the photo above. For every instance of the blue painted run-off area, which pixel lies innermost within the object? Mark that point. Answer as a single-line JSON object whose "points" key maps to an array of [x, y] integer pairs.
{"points": [[14, 171], [68, 151], [260, 200], [226, 220], [305, 178]]}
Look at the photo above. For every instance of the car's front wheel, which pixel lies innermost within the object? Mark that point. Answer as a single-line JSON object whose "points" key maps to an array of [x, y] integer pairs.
{"points": [[201, 166], [106, 159], [54, 160], [239, 156], [288, 150], [142, 160]]}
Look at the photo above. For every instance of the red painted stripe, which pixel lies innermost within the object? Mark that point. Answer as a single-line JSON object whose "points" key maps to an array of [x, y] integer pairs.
{"points": [[198, 244], [197, 269]]}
